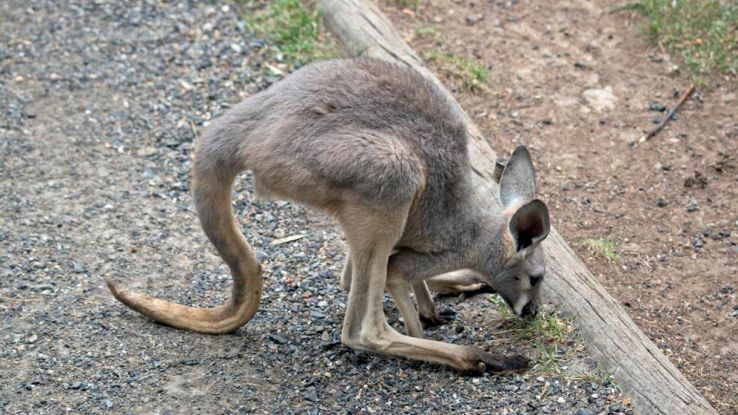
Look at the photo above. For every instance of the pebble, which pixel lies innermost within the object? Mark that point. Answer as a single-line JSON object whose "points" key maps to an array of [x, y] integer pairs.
{"points": [[692, 206], [662, 202], [656, 106], [600, 99], [474, 19], [278, 339], [146, 151]]}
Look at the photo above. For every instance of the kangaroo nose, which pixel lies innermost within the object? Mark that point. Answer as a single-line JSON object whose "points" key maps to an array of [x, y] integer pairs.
{"points": [[530, 310]]}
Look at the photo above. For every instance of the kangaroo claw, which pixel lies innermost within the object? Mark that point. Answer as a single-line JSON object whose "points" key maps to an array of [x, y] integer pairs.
{"points": [[443, 316]]}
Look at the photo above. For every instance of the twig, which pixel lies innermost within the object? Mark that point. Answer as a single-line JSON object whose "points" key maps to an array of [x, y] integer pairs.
{"points": [[671, 113]]}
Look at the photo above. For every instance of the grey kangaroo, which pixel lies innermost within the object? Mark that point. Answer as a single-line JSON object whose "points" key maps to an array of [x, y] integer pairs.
{"points": [[385, 152]]}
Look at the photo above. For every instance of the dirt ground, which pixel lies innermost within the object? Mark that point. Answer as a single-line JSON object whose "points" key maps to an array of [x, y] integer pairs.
{"points": [[669, 204]]}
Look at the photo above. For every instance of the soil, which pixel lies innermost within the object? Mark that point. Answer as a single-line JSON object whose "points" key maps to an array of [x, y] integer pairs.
{"points": [[668, 204], [99, 105]]}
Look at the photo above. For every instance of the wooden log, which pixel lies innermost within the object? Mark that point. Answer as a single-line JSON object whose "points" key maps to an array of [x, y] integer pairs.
{"points": [[653, 383]]}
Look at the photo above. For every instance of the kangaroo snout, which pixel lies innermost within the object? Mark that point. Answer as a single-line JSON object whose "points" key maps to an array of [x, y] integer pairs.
{"points": [[530, 309]]}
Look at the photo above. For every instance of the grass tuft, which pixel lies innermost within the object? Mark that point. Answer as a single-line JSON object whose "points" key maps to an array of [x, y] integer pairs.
{"points": [[296, 30], [471, 74], [549, 332], [428, 32], [703, 33], [601, 248], [413, 4]]}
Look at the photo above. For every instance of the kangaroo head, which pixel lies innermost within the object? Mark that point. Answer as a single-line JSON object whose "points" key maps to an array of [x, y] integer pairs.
{"points": [[519, 279]]}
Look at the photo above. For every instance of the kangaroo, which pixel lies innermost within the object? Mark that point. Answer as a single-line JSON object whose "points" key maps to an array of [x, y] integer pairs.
{"points": [[384, 151]]}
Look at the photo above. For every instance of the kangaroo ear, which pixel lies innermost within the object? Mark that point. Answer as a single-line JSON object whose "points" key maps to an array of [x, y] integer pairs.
{"points": [[529, 225], [518, 182]]}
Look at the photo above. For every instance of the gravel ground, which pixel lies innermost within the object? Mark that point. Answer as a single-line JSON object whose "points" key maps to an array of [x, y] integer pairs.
{"points": [[99, 105]]}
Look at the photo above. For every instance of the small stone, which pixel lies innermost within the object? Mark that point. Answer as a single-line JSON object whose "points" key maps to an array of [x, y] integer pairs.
{"points": [[600, 100], [77, 267], [561, 400], [657, 106], [692, 206], [75, 385], [278, 339], [107, 403], [32, 339], [322, 304], [474, 19], [662, 202], [146, 151], [311, 395]]}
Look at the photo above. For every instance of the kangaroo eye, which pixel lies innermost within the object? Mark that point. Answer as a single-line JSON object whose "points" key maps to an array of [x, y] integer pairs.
{"points": [[535, 279]]}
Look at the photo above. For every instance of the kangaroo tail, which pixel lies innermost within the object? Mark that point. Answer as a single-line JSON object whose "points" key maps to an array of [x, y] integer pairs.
{"points": [[215, 167]]}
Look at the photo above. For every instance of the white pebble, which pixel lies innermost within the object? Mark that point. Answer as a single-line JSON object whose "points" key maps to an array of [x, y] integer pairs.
{"points": [[561, 400]]}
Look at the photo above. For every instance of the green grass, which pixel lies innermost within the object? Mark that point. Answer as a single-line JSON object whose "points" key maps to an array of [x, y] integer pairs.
{"points": [[413, 4], [295, 30], [428, 32], [471, 75], [549, 332], [601, 248], [703, 33], [502, 309]]}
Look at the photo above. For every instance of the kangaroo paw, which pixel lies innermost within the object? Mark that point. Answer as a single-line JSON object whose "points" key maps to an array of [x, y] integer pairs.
{"points": [[500, 364], [443, 316]]}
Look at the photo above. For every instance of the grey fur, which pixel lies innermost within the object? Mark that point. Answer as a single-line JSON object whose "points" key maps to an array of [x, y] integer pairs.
{"points": [[383, 150]]}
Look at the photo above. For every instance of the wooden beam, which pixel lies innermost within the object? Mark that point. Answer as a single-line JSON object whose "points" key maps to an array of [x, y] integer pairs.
{"points": [[653, 383]]}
